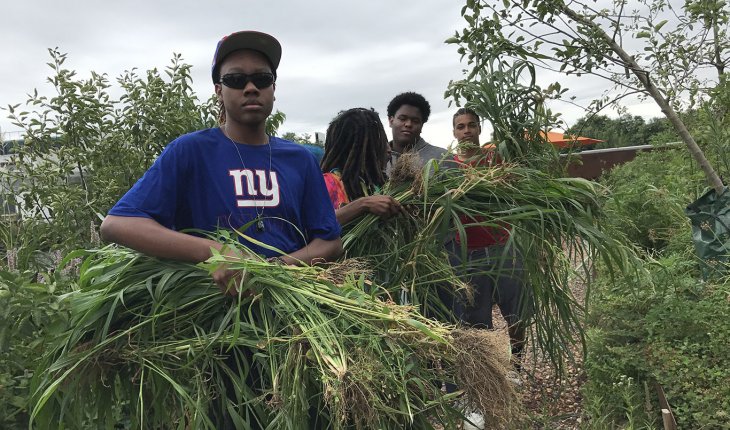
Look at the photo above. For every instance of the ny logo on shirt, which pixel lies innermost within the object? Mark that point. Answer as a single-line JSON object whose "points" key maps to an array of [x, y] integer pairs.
{"points": [[253, 193]]}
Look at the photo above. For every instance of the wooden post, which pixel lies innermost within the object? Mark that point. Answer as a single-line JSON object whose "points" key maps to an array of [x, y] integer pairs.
{"points": [[668, 420], [667, 416]]}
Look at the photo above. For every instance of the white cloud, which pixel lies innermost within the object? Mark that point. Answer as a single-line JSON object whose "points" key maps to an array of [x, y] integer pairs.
{"points": [[337, 54]]}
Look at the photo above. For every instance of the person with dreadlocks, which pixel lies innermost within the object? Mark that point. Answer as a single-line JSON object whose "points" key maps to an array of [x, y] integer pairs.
{"points": [[355, 155]]}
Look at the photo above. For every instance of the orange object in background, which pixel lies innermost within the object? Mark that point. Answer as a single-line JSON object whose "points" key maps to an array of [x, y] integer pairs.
{"points": [[562, 140]]}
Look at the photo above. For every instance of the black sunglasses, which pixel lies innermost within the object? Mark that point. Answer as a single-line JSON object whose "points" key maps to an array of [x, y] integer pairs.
{"points": [[240, 80]]}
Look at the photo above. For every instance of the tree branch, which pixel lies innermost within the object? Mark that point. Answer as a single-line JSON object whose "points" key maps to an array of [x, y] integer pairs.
{"points": [[643, 77]]}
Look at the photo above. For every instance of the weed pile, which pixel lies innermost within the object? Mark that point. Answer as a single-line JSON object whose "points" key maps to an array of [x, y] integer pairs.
{"points": [[304, 347], [551, 221]]}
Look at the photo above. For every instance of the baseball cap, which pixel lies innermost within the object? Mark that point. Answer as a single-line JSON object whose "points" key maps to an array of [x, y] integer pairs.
{"points": [[255, 40]]}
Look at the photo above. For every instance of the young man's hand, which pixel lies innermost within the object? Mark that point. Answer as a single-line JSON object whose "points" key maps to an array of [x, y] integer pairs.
{"points": [[231, 281], [383, 206]]}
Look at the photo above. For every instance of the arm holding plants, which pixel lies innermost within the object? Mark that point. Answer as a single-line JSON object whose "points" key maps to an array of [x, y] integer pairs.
{"points": [[152, 238], [316, 251], [382, 206]]}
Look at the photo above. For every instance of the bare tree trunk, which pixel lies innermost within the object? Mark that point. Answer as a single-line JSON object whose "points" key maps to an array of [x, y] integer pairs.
{"points": [[643, 75], [719, 65]]}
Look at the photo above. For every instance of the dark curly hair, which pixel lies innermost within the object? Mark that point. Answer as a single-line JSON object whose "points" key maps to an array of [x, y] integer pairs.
{"points": [[412, 99]]}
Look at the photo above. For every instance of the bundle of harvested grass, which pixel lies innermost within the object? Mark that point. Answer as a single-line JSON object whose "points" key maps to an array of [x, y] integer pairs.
{"points": [[155, 344], [549, 218]]}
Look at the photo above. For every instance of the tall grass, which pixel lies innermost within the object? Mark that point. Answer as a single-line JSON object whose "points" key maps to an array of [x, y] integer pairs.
{"points": [[308, 348], [556, 228]]}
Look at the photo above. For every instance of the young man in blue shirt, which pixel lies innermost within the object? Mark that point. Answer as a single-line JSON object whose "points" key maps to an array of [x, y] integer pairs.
{"points": [[227, 177]]}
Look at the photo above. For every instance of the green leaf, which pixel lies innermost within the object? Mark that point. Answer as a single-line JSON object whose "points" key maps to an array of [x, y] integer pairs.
{"points": [[425, 330]]}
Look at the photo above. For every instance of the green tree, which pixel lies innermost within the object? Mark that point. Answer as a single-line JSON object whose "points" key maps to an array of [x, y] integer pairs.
{"points": [[298, 138], [626, 130], [576, 38], [83, 150], [274, 121]]}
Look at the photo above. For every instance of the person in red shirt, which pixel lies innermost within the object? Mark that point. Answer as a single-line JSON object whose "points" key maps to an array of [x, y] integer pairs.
{"points": [[492, 266]]}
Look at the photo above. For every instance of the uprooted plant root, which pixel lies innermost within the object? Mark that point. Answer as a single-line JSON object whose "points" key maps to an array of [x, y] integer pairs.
{"points": [[481, 372]]}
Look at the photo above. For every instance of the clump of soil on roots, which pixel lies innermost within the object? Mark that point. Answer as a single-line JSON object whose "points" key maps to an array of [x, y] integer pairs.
{"points": [[352, 268], [481, 372], [408, 170]]}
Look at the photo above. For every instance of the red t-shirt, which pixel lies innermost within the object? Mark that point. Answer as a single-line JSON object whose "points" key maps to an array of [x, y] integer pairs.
{"points": [[480, 236]]}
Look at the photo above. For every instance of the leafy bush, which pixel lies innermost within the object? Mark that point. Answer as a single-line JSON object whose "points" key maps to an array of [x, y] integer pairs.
{"points": [[689, 353], [668, 327], [82, 150], [30, 313], [615, 360], [649, 195]]}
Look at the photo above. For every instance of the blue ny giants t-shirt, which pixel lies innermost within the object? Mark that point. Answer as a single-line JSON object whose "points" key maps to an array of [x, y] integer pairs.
{"points": [[200, 182]]}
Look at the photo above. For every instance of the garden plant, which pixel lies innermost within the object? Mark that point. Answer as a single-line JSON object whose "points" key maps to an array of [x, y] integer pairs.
{"points": [[95, 336]]}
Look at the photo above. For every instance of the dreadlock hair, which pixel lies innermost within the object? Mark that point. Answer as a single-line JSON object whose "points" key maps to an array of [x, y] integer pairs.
{"points": [[221, 112], [412, 99], [356, 144], [465, 111]]}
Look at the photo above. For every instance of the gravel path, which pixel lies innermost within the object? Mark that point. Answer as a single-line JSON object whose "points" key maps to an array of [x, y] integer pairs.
{"points": [[551, 403]]}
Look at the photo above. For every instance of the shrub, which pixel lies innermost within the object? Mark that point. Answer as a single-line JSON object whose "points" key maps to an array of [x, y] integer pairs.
{"points": [[82, 150], [669, 327], [649, 195], [30, 313], [666, 326]]}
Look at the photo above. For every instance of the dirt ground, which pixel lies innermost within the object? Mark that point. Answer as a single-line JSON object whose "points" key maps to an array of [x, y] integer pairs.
{"points": [[551, 403]]}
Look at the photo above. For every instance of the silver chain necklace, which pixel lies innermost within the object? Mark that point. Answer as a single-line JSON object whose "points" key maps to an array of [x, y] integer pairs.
{"points": [[259, 215]]}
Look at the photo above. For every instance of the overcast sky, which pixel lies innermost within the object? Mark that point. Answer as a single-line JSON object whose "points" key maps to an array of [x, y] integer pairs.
{"points": [[336, 54]]}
